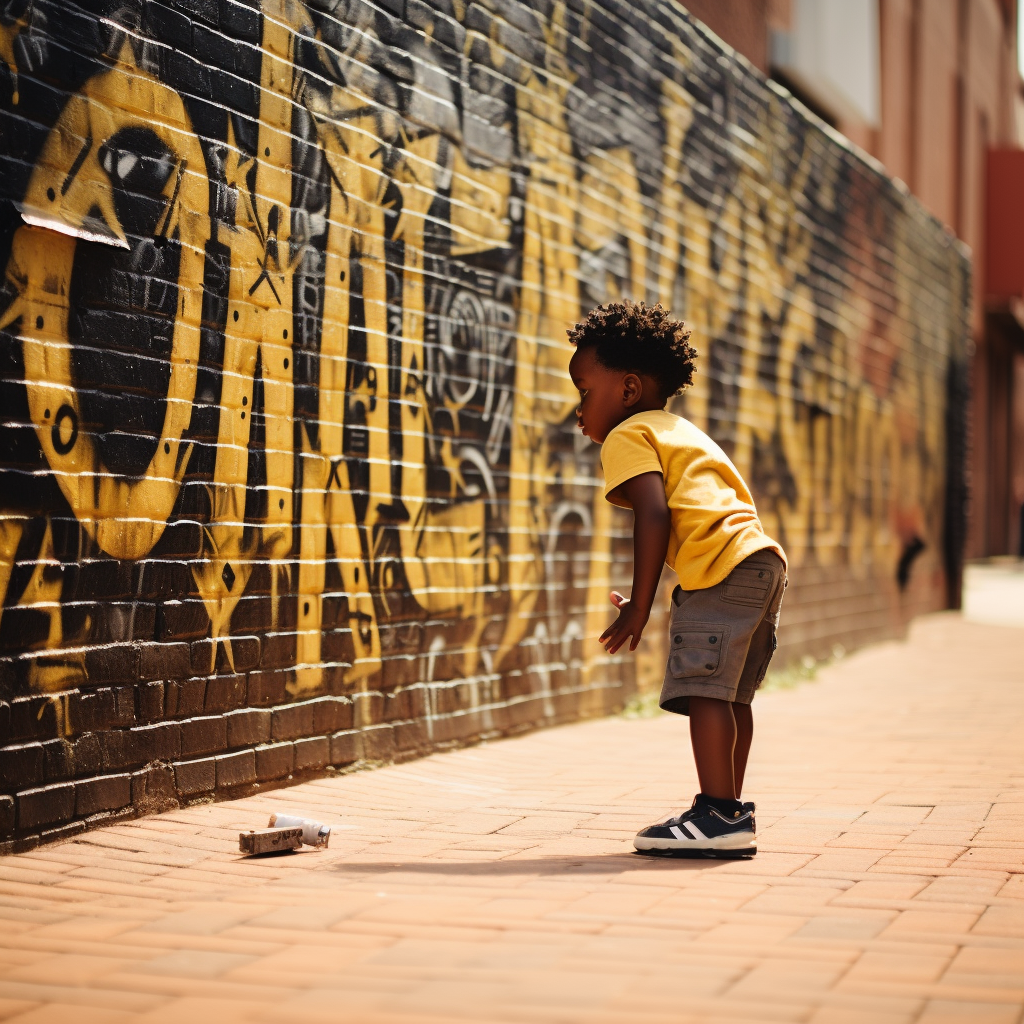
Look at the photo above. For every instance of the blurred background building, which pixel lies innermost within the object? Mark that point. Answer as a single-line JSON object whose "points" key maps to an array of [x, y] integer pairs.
{"points": [[932, 89]]}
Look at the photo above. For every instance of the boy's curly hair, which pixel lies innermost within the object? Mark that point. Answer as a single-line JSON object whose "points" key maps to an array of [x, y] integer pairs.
{"points": [[642, 339]]}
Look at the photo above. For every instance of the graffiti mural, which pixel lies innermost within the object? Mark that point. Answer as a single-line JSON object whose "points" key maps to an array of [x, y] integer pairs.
{"points": [[283, 342]]}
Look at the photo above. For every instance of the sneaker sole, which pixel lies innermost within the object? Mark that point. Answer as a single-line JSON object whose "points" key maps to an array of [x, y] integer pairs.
{"points": [[744, 854], [740, 841]]}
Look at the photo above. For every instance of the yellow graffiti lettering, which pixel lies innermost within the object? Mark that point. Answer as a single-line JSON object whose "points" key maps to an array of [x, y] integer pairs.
{"points": [[70, 193]]}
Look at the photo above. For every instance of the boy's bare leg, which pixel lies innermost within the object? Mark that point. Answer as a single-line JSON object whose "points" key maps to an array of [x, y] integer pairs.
{"points": [[744, 734], [713, 736]]}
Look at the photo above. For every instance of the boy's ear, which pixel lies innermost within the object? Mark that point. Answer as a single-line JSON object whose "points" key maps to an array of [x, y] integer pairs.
{"points": [[632, 390]]}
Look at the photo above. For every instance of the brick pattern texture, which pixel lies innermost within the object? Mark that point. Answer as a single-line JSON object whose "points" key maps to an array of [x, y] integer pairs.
{"points": [[288, 471], [499, 884]]}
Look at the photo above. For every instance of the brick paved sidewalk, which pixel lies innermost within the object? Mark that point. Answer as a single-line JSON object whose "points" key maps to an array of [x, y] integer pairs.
{"points": [[497, 883]]}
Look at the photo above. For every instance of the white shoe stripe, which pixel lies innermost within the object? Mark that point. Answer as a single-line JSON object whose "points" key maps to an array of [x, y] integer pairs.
{"points": [[693, 830], [674, 829]]}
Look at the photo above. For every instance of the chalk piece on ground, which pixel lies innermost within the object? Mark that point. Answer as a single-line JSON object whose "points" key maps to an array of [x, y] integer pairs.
{"points": [[314, 833]]}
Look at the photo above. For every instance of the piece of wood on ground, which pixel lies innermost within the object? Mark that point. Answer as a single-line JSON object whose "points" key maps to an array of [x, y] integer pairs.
{"points": [[269, 840]]}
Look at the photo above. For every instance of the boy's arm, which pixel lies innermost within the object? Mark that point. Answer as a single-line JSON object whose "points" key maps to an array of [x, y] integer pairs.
{"points": [[651, 525]]}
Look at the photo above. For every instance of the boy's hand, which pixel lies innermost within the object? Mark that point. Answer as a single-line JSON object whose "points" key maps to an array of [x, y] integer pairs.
{"points": [[630, 623]]}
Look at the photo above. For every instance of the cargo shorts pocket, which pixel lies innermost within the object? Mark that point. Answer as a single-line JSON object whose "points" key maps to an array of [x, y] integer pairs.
{"points": [[698, 649], [749, 585]]}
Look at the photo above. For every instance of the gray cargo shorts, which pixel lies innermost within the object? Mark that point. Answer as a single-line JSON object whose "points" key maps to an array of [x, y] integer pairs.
{"points": [[722, 638]]}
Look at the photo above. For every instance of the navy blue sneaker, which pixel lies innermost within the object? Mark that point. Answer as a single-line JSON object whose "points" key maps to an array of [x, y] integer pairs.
{"points": [[702, 828]]}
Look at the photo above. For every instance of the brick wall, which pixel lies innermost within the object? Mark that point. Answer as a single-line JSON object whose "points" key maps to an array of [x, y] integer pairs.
{"points": [[288, 472]]}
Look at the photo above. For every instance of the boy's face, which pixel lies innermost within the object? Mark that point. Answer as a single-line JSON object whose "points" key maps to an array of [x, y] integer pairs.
{"points": [[607, 397]]}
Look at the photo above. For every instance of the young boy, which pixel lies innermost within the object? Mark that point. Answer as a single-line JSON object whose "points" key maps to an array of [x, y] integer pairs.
{"points": [[691, 509]]}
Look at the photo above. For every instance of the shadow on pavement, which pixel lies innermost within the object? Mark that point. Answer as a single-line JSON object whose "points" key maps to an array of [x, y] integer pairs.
{"points": [[611, 864]]}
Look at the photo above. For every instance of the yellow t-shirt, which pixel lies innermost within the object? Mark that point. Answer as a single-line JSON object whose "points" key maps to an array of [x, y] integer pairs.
{"points": [[714, 522]]}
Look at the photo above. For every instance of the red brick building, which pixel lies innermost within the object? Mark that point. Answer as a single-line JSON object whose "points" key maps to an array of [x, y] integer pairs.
{"points": [[932, 90]]}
